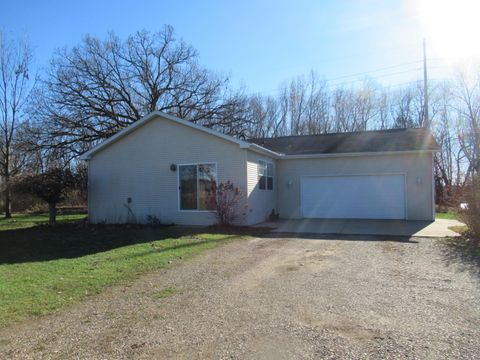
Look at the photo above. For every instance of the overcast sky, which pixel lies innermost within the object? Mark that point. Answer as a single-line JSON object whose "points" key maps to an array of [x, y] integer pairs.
{"points": [[258, 43]]}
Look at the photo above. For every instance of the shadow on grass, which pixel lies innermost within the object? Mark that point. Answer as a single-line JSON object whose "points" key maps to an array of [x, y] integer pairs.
{"points": [[77, 239], [43, 243], [72, 240]]}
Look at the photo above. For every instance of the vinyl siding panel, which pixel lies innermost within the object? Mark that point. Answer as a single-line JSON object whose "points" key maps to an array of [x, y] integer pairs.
{"points": [[417, 168], [260, 202], [138, 167]]}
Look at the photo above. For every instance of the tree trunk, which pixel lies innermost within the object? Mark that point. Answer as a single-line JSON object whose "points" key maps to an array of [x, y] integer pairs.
{"points": [[8, 205], [52, 214], [8, 197]]}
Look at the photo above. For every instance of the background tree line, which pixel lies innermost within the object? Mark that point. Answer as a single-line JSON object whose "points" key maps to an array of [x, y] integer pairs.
{"points": [[90, 91], [308, 105]]}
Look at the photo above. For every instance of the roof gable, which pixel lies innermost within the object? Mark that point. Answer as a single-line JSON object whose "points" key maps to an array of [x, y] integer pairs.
{"points": [[156, 114]]}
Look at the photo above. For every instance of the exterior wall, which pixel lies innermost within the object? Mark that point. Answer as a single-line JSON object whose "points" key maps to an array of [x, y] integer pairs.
{"points": [[138, 167], [260, 202], [419, 192]]}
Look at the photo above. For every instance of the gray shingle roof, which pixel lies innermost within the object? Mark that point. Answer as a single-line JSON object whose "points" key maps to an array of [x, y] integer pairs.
{"points": [[418, 139]]}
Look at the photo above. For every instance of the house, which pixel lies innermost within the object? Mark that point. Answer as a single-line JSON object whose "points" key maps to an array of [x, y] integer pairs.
{"points": [[166, 168]]}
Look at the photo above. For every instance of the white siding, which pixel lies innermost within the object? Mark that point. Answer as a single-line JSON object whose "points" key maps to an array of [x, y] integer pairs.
{"points": [[260, 202], [138, 167], [416, 167]]}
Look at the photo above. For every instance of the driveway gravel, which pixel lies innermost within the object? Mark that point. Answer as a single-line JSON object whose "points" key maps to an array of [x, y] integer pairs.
{"points": [[279, 298]]}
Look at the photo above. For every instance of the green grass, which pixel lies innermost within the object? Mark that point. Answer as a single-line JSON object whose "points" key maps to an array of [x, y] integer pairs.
{"points": [[43, 268], [450, 215]]}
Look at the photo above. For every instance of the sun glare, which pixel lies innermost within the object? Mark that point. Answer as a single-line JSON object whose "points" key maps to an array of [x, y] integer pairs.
{"points": [[451, 27]]}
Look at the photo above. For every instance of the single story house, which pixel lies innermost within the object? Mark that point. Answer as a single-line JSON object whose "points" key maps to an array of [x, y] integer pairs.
{"points": [[162, 167]]}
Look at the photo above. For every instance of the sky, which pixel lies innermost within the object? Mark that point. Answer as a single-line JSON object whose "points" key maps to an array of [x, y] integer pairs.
{"points": [[261, 44]]}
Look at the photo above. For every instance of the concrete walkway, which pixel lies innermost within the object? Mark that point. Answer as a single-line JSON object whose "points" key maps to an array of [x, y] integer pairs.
{"points": [[437, 228]]}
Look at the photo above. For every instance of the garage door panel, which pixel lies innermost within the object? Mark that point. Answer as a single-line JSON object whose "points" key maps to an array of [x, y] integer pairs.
{"points": [[356, 197]]}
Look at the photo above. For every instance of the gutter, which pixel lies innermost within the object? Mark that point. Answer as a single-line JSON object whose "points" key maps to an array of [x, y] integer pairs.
{"points": [[262, 150], [356, 154]]}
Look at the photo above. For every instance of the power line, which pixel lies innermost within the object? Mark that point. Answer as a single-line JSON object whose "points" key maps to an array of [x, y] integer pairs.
{"points": [[383, 75], [373, 71], [393, 89], [271, 91], [377, 77]]}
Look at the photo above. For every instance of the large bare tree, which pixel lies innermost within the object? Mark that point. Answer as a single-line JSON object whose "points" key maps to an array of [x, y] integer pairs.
{"points": [[15, 88], [101, 86]]}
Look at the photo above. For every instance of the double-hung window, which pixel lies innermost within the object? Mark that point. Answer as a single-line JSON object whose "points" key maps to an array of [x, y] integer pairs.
{"points": [[197, 186], [265, 175]]}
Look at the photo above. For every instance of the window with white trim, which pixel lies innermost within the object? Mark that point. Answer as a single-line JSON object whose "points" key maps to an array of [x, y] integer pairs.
{"points": [[265, 175], [197, 186]]}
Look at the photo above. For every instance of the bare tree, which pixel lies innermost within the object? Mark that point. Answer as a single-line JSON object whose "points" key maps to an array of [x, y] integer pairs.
{"points": [[404, 107], [302, 107], [444, 160], [99, 87], [467, 106], [382, 104], [284, 107], [365, 109], [317, 114], [15, 88], [263, 114], [297, 105], [342, 109]]}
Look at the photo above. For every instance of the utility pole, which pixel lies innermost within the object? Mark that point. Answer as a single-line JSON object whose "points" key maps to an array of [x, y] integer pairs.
{"points": [[426, 120]]}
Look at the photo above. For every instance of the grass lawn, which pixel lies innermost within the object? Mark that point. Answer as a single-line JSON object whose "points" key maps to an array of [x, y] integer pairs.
{"points": [[450, 215], [43, 269]]}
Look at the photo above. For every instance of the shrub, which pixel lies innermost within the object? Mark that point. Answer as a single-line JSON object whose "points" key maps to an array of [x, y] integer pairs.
{"points": [[227, 202], [471, 215], [152, 220]]}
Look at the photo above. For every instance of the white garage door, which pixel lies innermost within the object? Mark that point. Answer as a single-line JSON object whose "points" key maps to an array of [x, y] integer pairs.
{"points": [[353, 197]]}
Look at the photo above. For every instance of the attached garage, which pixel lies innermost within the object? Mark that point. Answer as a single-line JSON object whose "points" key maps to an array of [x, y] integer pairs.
{"points": [[384, 174], [377, 196]]}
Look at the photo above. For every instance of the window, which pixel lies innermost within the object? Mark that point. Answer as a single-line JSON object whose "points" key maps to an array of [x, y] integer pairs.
{"points": [[265, 175], [198, 186]]}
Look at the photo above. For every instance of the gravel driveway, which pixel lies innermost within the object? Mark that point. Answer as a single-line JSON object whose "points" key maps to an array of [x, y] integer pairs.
{"points": [[275, 299]]}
